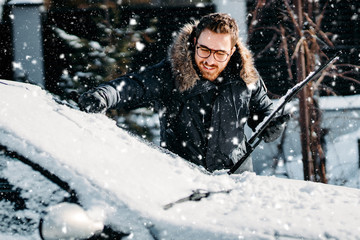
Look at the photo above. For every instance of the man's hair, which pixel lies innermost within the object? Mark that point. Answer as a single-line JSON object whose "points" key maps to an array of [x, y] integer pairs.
{"points": [[219, 23]]}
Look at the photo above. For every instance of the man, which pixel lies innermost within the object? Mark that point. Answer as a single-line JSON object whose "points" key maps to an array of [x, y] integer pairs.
{"points": [[207, 90]]}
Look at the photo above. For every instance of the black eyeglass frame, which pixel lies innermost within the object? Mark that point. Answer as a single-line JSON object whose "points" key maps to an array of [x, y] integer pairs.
{"points": [[212, 51]]}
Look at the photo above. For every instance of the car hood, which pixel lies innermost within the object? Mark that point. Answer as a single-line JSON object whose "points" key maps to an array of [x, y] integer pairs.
{"points": [[127, 181]]}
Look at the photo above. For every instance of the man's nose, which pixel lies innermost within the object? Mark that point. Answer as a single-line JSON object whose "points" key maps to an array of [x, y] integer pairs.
{"points": [[211, 59]]}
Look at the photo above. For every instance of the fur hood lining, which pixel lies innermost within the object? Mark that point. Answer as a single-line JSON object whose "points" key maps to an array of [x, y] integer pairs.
{"points": [[180, 56]]}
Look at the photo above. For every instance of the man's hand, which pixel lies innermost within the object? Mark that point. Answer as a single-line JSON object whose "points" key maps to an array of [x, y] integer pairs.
{"points": [[92, 102], [275, 128]]}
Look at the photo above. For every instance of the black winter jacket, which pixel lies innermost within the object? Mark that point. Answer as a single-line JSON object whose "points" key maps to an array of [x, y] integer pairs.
{"points": [[201, 121]]}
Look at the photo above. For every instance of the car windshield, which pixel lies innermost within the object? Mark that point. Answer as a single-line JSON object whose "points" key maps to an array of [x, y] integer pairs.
{"points": [[143, 192], [24, 196]]}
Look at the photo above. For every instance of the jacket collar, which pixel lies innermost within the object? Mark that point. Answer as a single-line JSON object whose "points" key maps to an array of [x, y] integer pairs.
{"points": [[181, 58], [200, 87]]}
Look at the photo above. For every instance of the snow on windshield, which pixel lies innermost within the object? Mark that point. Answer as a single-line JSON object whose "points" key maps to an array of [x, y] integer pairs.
{"points": [[80, 146]]}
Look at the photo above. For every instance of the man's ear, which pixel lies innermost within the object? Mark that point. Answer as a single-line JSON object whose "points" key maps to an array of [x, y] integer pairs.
{"points": [[194, 41], [233, 50]]}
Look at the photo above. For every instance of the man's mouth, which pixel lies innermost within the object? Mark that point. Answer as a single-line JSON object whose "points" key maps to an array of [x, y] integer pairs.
{"points": [[207, 67]]}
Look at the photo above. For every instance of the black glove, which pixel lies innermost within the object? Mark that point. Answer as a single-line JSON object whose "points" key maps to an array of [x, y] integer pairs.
{"points": [[93, 102], [275, 128]]}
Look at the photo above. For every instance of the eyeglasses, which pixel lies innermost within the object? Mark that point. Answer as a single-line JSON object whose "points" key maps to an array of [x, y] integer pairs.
{"points": [[219, 55]]}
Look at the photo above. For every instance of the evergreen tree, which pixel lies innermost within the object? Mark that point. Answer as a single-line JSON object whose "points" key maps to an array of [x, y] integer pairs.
{"points": [[88, 62]]}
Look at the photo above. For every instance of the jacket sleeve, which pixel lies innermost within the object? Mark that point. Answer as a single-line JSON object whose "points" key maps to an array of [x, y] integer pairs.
{"points": [[137, 89], [260, 105]]}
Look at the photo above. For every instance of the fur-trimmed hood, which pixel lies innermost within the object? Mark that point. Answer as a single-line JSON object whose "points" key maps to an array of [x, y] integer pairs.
{"points": [[180, 56]]}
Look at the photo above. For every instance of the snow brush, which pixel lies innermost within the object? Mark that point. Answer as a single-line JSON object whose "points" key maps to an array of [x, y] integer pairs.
{"points": [[250, 145]]}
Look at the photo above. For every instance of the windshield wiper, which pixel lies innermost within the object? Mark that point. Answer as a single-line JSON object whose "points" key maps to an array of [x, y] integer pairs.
{"points": [[197, 195]]}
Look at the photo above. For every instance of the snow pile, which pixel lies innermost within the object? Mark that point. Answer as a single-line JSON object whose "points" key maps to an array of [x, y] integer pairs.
{"points": [[106, 165], [28, 2], [2, 3]]}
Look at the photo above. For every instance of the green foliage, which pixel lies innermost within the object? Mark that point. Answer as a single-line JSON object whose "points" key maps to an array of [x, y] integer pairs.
{"points": [[91, 62]]}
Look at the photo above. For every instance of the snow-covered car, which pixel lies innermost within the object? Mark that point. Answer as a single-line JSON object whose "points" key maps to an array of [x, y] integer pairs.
{"points": [[78, 175]]}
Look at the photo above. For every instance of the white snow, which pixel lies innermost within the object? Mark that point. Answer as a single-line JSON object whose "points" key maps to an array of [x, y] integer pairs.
{"points": [[136, 180], [2, 3], [27, 2], [338, 102]]}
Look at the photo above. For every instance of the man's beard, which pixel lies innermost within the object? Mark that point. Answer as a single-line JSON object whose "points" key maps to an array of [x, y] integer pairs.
{"points": [[209, 72]]}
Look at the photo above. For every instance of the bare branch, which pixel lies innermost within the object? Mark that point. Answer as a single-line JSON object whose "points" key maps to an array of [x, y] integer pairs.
{"points": [[269, 45], [349, 78], [318, 82], [321, 16], [328, 90], [259, 5], [286, 51], [292, 16], [267, 28], [347, 65], [317, 29], [349, 72], [297, 48], [308, 58]]}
